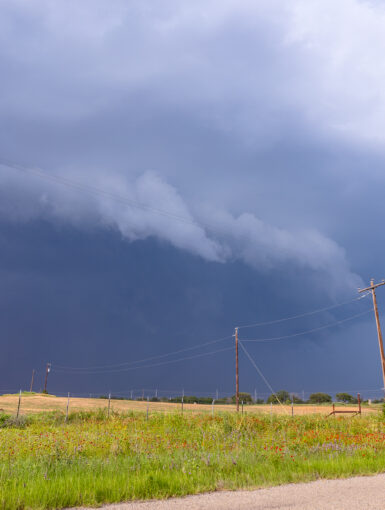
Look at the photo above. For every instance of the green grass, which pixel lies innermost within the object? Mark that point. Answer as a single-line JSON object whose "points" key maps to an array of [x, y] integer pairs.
{"points": [[47, 463]]}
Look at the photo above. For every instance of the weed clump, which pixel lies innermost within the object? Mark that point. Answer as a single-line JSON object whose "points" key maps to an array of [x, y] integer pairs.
{"points": [[17, 422]]}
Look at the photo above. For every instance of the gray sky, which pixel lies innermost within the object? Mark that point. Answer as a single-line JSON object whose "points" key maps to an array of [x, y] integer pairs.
{"points": [[246, 137]]}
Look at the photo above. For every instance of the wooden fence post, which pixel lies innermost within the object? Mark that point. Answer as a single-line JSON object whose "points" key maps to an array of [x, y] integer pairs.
{"points": [[18, 405], [68, 404]]}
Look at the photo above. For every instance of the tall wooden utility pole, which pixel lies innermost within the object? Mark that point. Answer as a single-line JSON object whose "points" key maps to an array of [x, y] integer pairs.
{"points": [[372, 290], [47, 371], [33, 375], [236, 370]]}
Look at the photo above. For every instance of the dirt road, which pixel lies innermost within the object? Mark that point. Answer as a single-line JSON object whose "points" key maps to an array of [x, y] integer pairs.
{"points": [[360, 493]]}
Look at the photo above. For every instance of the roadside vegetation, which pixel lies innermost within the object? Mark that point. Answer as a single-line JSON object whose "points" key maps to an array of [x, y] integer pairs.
{"points": [[47, 462]]}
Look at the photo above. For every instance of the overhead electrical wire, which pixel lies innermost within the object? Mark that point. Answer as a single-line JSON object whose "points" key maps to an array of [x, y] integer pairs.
{"points": [[126, 365], [130, 363], [94, 190], [319, 310], [261, 374], [145, 366], [271, 339]]}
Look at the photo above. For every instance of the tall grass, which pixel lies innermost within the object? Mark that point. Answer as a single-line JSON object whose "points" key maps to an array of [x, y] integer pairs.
{"points": [[46, 462]]}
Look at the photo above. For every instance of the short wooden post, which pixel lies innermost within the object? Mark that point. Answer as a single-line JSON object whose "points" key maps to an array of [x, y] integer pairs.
{"points": [[292, 407], [359, 403], [109, 405], [242, 406], [18, 405], [212, 407], [182, 403], [68, 405]]}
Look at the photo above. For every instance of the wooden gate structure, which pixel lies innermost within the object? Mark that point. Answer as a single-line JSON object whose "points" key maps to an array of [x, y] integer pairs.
{"points": [[354, 413]]}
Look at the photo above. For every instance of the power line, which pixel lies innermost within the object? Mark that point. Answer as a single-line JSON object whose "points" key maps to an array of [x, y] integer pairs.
{"points": [[146, 366], [260, 373], [130, 363], [255, 324], [271, 339], [94, 190]]}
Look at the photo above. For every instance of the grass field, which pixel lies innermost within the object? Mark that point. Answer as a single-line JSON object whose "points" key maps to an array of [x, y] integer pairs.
{"points": [[46, 462], [34, 403]]}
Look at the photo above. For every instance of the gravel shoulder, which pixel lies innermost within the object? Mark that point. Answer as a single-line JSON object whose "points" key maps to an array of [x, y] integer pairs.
{"points": [[359, 493]]}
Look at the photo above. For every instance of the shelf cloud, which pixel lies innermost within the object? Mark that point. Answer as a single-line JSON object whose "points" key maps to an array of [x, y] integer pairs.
{"points": [[144, 98], [149, 206]]}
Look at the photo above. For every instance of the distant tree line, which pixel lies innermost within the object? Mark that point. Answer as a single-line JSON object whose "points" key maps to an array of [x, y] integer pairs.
{"points": [[282, 396]]}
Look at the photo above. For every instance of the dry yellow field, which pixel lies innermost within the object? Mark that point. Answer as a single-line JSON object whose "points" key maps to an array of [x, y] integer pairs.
{"points": [[36, 403]]}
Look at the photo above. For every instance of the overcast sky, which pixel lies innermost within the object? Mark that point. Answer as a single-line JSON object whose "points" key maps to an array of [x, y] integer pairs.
{"points": [[172, 169]]}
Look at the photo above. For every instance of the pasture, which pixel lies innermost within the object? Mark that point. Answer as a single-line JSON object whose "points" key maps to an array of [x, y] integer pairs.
{"points": [[48, 462], [35, 403]]}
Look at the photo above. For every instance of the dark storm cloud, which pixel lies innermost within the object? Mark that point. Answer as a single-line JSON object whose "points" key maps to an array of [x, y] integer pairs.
{"points": [[257, 127], [89, 90]]}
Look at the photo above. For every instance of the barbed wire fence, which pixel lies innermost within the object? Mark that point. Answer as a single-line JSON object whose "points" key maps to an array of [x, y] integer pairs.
{"points": [[158, 401]]}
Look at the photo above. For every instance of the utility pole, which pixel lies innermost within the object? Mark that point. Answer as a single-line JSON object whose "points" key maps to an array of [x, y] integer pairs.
{"points": [[33, 375], [47, 371], [236, 370], [380, 343]]}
